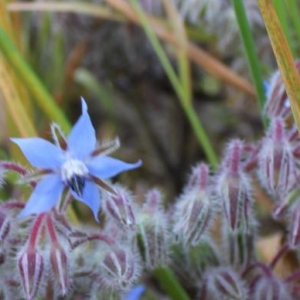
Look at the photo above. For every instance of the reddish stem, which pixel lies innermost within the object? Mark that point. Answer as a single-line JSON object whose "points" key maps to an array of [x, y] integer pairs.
{"points": [[282, 251], [51, 230], [97, 236], [293, 134], [254, 282], [262, 266], [102, 237], [10, 166], [67, 201], [35, 230], [293, 277], [13, 204]]}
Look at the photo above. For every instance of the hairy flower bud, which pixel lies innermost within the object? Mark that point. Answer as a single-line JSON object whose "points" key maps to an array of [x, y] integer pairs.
{"points": [[120, 268], [277, 166], [152, 231], [270, 288], [4, 226], [277, 104], [194, 209], [120, 207], [239, 247], [60, 267], [294, 234], [153, 201], [233, 188], [224, 283], [31, 266]]}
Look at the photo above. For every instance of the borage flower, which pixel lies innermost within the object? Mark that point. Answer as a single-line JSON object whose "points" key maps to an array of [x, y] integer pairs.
{"points": [[77, 163]]}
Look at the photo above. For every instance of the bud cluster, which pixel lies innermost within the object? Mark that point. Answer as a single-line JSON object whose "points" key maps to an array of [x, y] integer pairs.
{"points": [[207, 236]]}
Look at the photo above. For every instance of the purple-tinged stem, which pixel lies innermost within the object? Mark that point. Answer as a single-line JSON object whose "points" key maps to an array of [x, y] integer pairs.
{"points": [[253, 282], [96, 236], [67, 201], [51, 230], [102, 237], [293, 277], [293, 134], [12, 205], [35, 230], [263, 267], [282, 251], [10, 166]]}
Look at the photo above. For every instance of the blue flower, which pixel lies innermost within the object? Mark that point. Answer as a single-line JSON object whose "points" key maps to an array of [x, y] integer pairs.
{"points": [[77, 163], [135, 293]]}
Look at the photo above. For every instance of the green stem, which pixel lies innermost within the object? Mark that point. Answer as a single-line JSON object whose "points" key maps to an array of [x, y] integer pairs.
{"points": [[178, 87], [249, 46], [170, 284], [33, 83]]}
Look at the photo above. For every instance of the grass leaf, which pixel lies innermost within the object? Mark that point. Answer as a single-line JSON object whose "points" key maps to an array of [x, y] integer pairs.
{"points": [[283, 56]]}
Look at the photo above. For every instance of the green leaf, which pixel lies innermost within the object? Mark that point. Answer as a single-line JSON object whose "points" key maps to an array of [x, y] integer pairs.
{"points": [[170, 284], [283, 56], [249, 46], [31, 81]]}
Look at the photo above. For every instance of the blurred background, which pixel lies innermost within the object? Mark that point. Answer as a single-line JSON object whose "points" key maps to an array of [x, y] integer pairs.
{"points": [[99, 50]]}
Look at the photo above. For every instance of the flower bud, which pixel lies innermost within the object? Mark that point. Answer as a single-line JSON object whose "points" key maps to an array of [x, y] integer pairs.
{"points": [[4, 226], [120, 268], [277, 165], [277, 104], [152, 232], [233, 188], [153, 201], [239, 247], [270, 288], [120, 207], [294, 234], [194, 210], [199, 177], [224, 283], [288, 201], [31, 266], [60, 267]]}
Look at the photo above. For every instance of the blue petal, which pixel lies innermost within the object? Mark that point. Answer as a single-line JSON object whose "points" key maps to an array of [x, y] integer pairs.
{"points": [[40, 153], [105, 167], [135, 293], [90, 197], [82, 139], [46, 194]]}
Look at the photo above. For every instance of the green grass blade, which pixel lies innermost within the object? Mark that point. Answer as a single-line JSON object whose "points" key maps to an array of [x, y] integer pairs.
{"points": [[164, 60], [182, 56], [14, 104], [177, 86], [32, 82], [81, 7], [249, 46], [283, 56]]}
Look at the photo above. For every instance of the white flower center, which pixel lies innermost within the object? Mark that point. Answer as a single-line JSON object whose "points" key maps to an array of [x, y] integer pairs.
{"points": [[73, 167]]}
